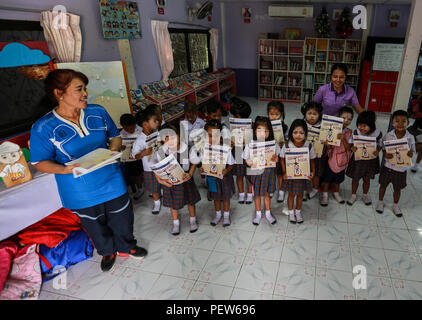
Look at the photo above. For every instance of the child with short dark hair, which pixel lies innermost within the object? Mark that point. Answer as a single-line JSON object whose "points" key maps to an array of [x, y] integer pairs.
{"points": [[395, 175], [264, 183], [296, 188], [177, 196], [191, 121], [147, 119], [275, 111], [132, 168], [338, 158], [215, 111], [312, 112], [239, 170], [364, 169]]}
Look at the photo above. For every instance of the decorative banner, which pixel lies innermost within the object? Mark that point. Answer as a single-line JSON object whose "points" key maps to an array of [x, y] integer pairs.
{"points": [[247, 15], [169, 169], [313, 138], [399, 149], [297, 163], [366, 147], [330, 128], [214, 160], [14, 169], [278, 131], [261, 154], [120, 19], [161, 4]]}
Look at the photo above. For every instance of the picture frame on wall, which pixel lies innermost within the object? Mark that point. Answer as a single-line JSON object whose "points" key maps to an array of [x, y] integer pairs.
{"points": [[394, 15], [292, 34], [336, 14]]}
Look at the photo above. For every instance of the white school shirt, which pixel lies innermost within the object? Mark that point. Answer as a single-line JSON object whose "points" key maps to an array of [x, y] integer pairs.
{"points": [[196, 158], [290, 144], [246, 155], [138, 146], [392, 136], [375, 134], [129, 136], [198, 124]]}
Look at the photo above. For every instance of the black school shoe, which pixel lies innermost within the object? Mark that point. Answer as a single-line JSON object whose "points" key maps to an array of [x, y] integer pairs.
{"points": [[107, 262], [137, 253]]}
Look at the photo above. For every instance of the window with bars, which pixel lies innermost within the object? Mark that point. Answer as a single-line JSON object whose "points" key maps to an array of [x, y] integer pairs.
{"points": [[190, 51]]}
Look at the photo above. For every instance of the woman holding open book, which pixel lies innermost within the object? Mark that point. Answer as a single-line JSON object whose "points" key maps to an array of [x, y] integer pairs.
{"points": [[336, 94], [72, 130]]}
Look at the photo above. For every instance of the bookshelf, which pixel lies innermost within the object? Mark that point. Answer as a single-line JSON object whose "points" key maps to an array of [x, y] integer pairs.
{"points": [[280, 70], [320, 54]]}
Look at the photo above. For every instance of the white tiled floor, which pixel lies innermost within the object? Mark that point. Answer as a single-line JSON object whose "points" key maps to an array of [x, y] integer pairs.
{"points": [[282, 261]]}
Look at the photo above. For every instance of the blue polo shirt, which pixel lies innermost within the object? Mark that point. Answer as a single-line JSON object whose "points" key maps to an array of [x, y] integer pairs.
{"points": [[57, 139]]}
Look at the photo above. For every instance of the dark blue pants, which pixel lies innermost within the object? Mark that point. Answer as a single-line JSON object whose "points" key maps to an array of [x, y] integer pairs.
{"points": [[110, 225]]}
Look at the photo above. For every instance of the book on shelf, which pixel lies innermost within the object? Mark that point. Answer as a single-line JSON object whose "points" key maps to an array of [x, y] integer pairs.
{"points": [[94, 160]]}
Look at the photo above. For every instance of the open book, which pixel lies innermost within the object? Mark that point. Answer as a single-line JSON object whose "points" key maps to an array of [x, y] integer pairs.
{"points": [[94, 160], [169, 169]]}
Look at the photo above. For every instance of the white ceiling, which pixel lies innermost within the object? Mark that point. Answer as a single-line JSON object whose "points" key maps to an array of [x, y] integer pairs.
{"points": [[329, 1]]}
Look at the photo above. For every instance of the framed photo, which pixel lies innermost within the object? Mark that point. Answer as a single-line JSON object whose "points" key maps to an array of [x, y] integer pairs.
{"points": [[291, 34], [336, 14], [394, 15]]}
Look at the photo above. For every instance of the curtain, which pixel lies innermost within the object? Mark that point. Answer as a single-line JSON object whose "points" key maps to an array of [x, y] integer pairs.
{"points": [[163, 47], [214, 47], [63, 35]]}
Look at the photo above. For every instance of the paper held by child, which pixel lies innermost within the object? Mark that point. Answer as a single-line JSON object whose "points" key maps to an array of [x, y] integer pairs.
{"points": [[128, 143], [297, 163], [261, 154], [152, 141], [330, 128], [278, 131], [366, 147], [169, 169], [313, 138], [14, 169], [214, 160], [241, 131], [399, 149], [94, 160], [198, 137]]}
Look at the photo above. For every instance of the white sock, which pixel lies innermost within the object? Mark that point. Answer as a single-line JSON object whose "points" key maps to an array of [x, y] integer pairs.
{"points": [[269, 217], [250, 197], [176, 222], [313, 192], [241, 196], [217, 218], [157, 205], [192, 219], [226, 220], [325, 195], [353, 197], [292, 215], [257, 218], [415, 166]]}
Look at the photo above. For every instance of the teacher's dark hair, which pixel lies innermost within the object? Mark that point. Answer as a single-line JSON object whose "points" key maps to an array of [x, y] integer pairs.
{"points": [[339, 66], [60, 79]]}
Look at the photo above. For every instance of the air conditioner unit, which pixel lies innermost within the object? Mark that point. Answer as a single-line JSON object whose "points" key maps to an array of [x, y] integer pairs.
{"points": [[291, 11]]}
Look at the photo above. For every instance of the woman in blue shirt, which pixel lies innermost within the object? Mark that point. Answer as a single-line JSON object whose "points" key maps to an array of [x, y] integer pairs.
{"points": [[100, 199]]}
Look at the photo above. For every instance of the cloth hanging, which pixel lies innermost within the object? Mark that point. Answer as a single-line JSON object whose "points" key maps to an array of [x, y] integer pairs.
{"points": [[63, 35], [214, 47], [163, 47]]}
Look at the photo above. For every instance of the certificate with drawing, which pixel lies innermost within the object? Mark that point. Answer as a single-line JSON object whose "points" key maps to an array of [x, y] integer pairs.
{"points": [[366, 147], [94, 160], [152, 142], [313, 138], [330, 128], [399, 149], [214, 160], [240, 131], [260, 153], [169, 169], [128, 143], [278, 131], [297, 163], [199, 138]]}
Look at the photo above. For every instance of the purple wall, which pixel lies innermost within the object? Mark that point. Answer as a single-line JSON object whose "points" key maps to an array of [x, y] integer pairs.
{"points": [[242, 39], [96, 48]]}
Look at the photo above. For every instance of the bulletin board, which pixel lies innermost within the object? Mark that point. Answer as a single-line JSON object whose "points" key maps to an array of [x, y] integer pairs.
{"points": [[388, 56]]}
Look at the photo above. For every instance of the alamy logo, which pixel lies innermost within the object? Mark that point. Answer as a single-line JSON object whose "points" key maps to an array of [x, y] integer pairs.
{"points": [[359, 21], [59, 21], [360, 280]]}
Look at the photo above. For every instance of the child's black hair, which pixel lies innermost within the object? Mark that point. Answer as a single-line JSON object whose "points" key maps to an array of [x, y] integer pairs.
{"points": [[190, 107], [144, 115], [243, 110], [312, 105], [127, 120], [368, 118], [298, 123], [401, 113], [276, 105], [212, 123], [214, 106], [171, 127], [345, 109], [259, 120]]}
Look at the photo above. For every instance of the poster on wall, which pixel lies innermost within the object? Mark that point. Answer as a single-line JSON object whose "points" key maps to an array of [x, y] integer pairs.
{"points": [[388, 56], [120, 19], [247, 15]]}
